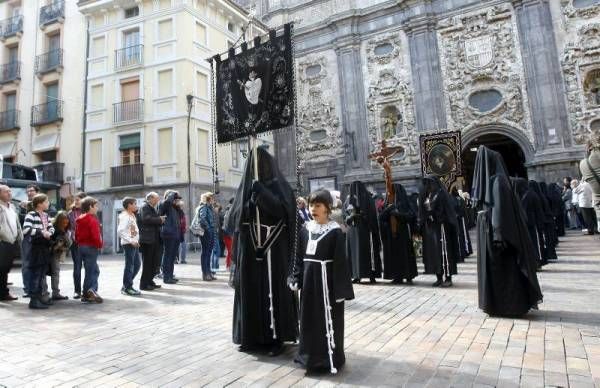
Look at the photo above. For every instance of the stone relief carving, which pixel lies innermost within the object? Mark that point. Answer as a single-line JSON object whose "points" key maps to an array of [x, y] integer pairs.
{"points": [[480, 52], [571, 11], [390, 110], [318, 125], [581, 70]]}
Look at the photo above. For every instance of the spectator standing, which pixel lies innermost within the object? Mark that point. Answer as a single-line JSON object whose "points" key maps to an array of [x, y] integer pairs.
{"points": [[26, 206], [171, 235], [59, 245], [38, 230], [567, 198], [205, 215], [150, 241], [584, 191], [11, 236], [216, 252], [74, 213], [183, 227], [129, 234], [89, 240]]}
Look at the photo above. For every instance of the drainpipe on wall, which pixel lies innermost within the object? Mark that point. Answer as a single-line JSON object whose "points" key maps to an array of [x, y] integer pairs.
{"points": [[85, 97]]}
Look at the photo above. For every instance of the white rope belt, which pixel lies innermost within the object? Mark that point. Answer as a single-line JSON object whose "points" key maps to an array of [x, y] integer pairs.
{"points": [[327, 306], [445, 264], [466, 235], [372, 253]]}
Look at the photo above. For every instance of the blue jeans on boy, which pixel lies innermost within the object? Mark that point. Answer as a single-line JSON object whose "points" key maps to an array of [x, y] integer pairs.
{"points": [[168, 261], [182, 252], [132, 265], [77, 265], [216, 255], [36, 275], [89, 257], [207, 242]]}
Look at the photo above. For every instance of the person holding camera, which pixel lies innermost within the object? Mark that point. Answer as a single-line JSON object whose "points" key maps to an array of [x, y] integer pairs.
{"points": [[150, 242], [170, 234]]}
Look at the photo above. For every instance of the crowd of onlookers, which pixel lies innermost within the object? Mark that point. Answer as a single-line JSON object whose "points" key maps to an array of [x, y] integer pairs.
{"points": [[579, 213], [152, 237]]}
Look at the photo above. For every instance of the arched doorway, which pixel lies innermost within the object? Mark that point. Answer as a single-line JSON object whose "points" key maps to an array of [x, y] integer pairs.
{"points": [[515, 152]]}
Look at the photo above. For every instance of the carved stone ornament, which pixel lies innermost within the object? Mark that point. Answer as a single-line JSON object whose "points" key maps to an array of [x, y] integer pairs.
{"points": [[571, 11], [581, 71], [318, 128], [390, 100], [479, 55]]}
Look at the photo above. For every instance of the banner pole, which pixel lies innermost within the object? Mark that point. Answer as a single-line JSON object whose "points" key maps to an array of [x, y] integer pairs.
{"points": [[255, 160]]}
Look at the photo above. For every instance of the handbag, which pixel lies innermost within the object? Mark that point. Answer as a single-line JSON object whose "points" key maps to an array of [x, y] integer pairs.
{"points": [[195, 227]]}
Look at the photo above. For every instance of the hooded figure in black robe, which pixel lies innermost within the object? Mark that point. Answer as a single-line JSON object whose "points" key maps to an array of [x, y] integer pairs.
{"points": [[439, 228], [506, 262], [554, 204], [550, 239], [258, 319], [559, 208], [399, 261], [534, 214], [362, 235], [464, 240], [324, 277]]}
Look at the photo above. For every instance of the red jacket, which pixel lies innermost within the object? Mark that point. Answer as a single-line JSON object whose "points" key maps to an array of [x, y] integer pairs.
{"points": [[87, 231]]}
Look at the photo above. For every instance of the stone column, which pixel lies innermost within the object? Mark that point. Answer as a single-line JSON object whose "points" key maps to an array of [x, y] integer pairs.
{"points": [[353, 108], [543, 78], [426, 73]]}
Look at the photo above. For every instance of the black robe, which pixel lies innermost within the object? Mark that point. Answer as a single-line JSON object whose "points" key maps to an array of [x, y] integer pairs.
{"points": [[534, 214], [439, 228], [560, 210], [329, 259], [251, 309], [464, 240], [554, 205], [362, 234], [399, 260], [506, 263], [550, 238]]}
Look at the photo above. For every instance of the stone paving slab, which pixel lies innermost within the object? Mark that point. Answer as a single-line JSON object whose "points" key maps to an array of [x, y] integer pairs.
{"points": [[411, 336]]}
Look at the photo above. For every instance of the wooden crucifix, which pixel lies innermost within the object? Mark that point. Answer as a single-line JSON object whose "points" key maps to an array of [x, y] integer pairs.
{"points": [[382, 157]]}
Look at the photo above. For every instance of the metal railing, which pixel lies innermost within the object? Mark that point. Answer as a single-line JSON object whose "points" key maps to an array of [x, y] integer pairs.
{"points": [[127, 175], [9, 119], [52, 12], [10, 71], [51, 172], [129, 56], [46, 113], [49, 61], [11, 26], [128, 110]]}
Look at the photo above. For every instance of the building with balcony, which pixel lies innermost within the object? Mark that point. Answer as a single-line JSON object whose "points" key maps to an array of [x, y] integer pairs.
{"points": [[145, 56], [40, 122]]}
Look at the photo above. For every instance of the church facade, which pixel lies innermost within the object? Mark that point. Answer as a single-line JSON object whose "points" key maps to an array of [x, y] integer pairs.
{"points": [[521, 76]]}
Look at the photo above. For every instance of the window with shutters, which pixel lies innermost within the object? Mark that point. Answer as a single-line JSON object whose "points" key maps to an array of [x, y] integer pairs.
{"points": [[129, 147], [165, 29], [201, 34], [165, 145], [165, 83], [132, 12], [98, 46], [95, 155]]}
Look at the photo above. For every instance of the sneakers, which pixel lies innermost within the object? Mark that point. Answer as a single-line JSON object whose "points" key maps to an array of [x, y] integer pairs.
{"points": [[130, 291], [59, 297], [77, 295], [35, 303], [91, 296]]}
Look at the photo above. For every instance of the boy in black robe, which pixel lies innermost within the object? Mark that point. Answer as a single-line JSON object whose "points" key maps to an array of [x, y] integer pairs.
{"points": [[265, 310], [362, 235], [438, 225], [506, 265], [321, 272], [464, 240], [399, 261]]}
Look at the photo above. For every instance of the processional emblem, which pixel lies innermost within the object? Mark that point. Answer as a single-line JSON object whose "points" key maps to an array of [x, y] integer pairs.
{"points": [[441, 156]]}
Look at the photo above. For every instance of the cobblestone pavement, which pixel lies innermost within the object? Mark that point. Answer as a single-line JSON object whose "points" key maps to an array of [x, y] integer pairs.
{"points": [[395, 335]]}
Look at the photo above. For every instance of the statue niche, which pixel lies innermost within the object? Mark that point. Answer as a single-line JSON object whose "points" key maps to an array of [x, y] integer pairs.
{"points": [[591, 88], [391, 122]]}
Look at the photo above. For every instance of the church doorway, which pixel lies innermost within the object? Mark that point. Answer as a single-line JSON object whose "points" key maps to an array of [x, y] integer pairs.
{"points": [[511, 152]]}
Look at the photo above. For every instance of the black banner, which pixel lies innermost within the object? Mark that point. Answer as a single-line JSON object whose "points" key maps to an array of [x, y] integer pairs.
{"points": [[441, 155], [255, 88]]}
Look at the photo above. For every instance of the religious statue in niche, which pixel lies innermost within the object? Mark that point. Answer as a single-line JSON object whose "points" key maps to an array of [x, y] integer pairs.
{"points": [[391, 122], [592, 88]]}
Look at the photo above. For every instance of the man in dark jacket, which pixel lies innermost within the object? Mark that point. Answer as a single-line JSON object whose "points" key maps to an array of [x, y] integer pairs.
{"points": [[149, 223], [171, 235]]}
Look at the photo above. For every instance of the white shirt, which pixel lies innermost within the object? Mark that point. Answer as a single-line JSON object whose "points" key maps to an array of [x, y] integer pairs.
{"points": [[128, 230], [10, 226]]}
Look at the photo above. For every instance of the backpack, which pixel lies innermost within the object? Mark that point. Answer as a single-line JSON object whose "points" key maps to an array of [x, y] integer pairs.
{"points": [[195, 227]]}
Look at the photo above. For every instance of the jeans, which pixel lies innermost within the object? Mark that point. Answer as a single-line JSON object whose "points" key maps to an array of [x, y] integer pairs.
{"points": [[25, 271], [89, 257], [151, 254], [54, 276], [216, 254], [77, 264], [8, 253], [168, 260], [182, 252], [36, 275], [132, 265], [207, 242]]}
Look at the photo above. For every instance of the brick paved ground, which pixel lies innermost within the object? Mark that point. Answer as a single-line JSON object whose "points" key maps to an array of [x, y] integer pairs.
{"points": [[395, 335]]}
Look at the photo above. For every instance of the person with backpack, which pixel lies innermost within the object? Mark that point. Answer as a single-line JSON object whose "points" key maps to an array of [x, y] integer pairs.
{"points": [[203, 226]]}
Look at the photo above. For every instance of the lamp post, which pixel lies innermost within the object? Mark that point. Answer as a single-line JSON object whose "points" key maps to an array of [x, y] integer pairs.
{"points": [[190, 103]]}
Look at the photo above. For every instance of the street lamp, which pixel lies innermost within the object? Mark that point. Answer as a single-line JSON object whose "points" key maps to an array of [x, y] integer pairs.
{"points": [[190, 103]]}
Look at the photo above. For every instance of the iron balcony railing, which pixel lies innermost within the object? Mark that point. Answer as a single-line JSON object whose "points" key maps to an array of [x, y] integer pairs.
{"points": [[46, 113], [52, 12], [49, 61], [51, 172], [129, 56], [9, 119], [128, 110], [127, 175], [10, 71], [11, 26]]}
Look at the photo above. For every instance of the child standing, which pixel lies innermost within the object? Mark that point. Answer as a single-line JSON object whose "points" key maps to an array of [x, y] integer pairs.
{"points": [[89, 241], [38, 230], [322, 273], [130, 241], [59, 245]]}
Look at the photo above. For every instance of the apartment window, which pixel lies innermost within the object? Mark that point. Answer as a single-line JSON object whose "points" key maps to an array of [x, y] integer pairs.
{"points": [[132, 12], [201, 33], [203, 146], [97, 97], [98, 46], [47, 156], [165, 145], [95, 155], [165, 29], [230, 27], [129, 148], [202, 85], [165, 83]]}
